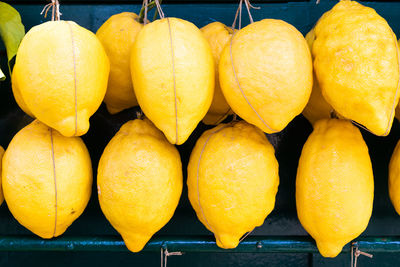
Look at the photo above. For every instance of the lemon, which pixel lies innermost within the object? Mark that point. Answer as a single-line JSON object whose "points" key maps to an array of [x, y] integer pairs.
{"points": [[394, 178], [17, 94], [356, 61], [232, 180], [217, 35], [334, 185], [117, 35], [139, 182], [173, 76], [266, 74], [397, 112], [62, 72], [47, 179], [317, 108], [1, 189]]}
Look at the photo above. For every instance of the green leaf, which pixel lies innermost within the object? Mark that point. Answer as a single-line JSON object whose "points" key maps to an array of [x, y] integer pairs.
{"points": [[11, 31]]}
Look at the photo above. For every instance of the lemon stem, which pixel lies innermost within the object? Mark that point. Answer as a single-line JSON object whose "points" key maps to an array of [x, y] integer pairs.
{"points": [[139, 114], [334, 115], [150, 6]]}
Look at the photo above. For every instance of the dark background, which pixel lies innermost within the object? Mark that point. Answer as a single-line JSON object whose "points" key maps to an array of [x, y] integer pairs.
{"points": [[281, 222]]}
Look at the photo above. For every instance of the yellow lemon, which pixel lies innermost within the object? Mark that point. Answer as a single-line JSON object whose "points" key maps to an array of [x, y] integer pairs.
{"points": [[397, 112], [266, 74], [356, 61], [394, 178], [47, 179], [173, 76], [62, 72], [1, 188], [217, 35], [117, 35], [17, 94], [334, 185], [317, 108], [139, 182], [232, 180]]}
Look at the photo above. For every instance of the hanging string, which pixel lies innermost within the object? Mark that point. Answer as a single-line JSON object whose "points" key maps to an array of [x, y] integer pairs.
{"points": [[55, 10], [159, 9], [248, 7], [156, 12], [146, 4], [238, 13], [355, 253]]}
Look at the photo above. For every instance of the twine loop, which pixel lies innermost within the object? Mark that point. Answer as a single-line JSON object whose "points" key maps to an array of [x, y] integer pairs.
{"points": [[165, 254], [355, 253], [54, 5]]}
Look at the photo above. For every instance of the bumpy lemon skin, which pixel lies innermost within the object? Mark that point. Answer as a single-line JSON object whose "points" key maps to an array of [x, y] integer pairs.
{"points": [[334, 185], [273, 66], [17, 94], [1, 187], [139, 182], [235, 177], [117, 35], [153, 65], [356, 63], [62, 75], [317, 108], [394, 178], [217, 35], [46, 196]]}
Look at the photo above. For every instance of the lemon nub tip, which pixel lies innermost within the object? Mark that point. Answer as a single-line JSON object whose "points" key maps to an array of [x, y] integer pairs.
{"points": [[329, 249], [227, 241], [112, 110], [135, 243]]}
